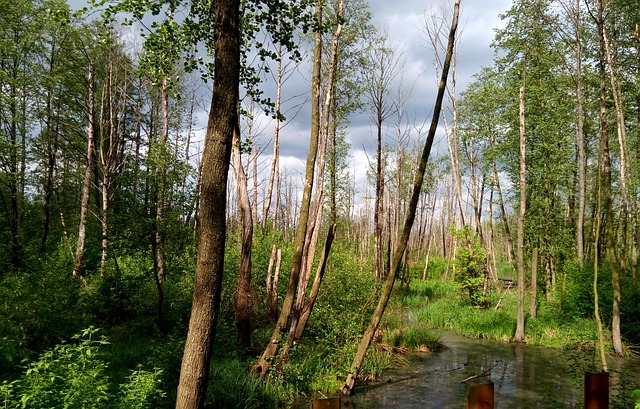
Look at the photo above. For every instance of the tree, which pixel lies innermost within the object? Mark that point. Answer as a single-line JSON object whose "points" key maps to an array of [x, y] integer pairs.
{"points": [[261, 367], [381, 68], [20, 43], [223, 122], [519, 335], [608, 195], [243, 288], [88, 173], [365, 341]]}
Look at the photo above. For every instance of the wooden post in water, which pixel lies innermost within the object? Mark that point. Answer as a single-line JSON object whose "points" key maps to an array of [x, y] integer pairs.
{"points": [[596, 390], [480, 395], [328, 403]]}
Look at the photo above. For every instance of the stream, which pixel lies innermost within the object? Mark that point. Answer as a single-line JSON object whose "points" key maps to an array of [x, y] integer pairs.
{"points": [[524, 376]]}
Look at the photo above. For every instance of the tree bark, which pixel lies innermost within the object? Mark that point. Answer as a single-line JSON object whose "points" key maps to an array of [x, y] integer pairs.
{"points": [[86, 180], [410, 215], [261, 367], [222, 123], [533, 306], [519, 334], [608, 195], [243, 287]]}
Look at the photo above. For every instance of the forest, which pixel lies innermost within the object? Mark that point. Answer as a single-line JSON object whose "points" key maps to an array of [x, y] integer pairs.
{"points": [[163, 246]]}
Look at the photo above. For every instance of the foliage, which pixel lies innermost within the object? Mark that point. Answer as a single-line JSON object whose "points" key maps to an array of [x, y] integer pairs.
{"points": [[73, 375], [470, 259], [636, 396], [33, 317]]}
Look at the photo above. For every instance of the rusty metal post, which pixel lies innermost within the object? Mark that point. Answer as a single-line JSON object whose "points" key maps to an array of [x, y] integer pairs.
{"points": [[596, 390], [480, 396], [328, 403]]}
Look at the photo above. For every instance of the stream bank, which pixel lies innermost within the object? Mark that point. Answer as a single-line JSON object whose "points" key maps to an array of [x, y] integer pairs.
{"points": [[524, 376]]}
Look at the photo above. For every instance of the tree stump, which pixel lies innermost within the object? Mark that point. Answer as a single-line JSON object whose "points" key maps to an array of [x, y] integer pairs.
{"points": [[327, 403], [596, 390], [480, 396]]}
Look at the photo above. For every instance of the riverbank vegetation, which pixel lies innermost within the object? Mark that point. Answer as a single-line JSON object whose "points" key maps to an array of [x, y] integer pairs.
{"points": [[139, 268]]}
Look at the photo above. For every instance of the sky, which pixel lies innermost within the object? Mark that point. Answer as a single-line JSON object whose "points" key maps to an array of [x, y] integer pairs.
{"points": [[404, 23]]}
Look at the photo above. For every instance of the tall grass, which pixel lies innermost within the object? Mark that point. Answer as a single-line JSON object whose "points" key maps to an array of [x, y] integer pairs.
{"points": [[439, 305], [232, 386]]}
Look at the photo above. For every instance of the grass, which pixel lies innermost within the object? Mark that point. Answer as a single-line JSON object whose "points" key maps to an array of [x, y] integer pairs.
{"points": [[439, 305]]}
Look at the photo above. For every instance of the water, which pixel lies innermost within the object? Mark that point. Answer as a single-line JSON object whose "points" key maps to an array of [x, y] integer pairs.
{"points": [[524, 377]]}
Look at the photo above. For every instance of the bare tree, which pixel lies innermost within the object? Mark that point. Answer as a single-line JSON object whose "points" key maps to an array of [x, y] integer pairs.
{"points": [[410, 216], [434, 27], [381, 68]]}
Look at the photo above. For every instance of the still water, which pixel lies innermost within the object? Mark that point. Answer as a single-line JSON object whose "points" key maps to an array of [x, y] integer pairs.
{"points": [[524, 377]]}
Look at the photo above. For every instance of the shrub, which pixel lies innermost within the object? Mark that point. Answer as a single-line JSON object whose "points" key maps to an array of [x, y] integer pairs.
{"points": [[470, 258], [73, 375]]}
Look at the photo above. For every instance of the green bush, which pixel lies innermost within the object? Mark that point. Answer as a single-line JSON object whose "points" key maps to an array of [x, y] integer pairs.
{"points": [[37, 310], [142, 390], [73, 375], [437, 267], [470, 258], [636, 395]]}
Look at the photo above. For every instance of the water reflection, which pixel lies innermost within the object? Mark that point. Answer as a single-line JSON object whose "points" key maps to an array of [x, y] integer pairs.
{"points": [[524, 377]]}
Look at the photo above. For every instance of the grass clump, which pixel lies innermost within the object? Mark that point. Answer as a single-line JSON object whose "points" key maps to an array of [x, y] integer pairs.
{"points": [[232, 386], [444, 308]]}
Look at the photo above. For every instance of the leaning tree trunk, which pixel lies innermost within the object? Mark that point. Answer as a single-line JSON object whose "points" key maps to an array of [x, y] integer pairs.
{"points": [[223, 121], [409, 218]]}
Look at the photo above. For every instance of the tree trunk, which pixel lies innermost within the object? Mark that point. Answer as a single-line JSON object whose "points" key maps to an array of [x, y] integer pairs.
{"points": [[51, 135], [519, 335], [503, 213], [302, 308], [582, 157], [86, 180], [275, 156], [243, 287], [378, 207], [534, 283], [410, 215], [608, 196], [261, 367], [622, 144], [272, 284], [223, 121], [298, 331]]}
